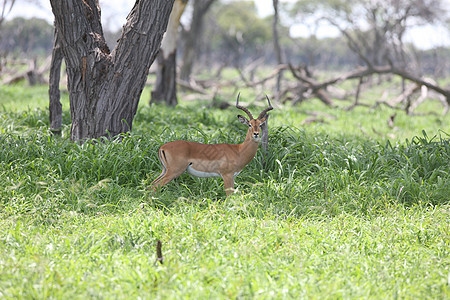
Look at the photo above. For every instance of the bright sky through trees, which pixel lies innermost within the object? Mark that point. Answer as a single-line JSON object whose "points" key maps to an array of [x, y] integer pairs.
{"points": [[114, 13]]}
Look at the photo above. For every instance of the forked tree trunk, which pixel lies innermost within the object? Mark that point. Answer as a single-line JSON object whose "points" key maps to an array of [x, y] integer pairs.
{"points": [[105, 87], [166, 86]]}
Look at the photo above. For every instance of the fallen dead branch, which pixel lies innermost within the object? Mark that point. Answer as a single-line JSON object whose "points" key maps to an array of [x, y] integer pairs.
{"points": [[312, 86], [319, 89], [32, 74]]}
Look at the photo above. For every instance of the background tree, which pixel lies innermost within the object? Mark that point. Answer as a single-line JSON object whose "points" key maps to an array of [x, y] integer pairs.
{"points": [[381, 46], [192, 36], [55, 106], [165, 88], [105, 86], [387, 22], [6, 8], [374, 29], [27, 37], [277, 47], [237, 34]]}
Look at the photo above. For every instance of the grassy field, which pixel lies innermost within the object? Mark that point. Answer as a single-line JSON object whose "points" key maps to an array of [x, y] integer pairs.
{"points": [[347, 208]]}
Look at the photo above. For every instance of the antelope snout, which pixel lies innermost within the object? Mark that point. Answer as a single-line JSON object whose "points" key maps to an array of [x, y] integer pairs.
{"points": [[256, 135]]}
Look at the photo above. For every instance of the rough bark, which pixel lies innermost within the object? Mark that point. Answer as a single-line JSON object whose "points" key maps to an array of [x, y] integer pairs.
{"points": [[55, 106], [105, 87], [165, 87]]}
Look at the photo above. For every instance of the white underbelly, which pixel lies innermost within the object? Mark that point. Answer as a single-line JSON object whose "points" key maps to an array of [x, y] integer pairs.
{"points": [[196, 173]]}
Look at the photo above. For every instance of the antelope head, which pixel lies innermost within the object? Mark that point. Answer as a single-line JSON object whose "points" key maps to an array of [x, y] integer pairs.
{"points": [[254, 130]]}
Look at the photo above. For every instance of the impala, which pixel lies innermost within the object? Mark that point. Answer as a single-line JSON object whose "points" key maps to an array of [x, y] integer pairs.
{"points": [[217, 160]]}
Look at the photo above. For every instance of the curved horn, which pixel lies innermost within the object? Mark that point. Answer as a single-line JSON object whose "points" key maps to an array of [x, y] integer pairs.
{"points": [[263, 113], [243, 108]]}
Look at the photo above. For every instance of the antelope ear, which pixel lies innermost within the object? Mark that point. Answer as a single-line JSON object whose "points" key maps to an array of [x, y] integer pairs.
{"points": [[243, 120]]}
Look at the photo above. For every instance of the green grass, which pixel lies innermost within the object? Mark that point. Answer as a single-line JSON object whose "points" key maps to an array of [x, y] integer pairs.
{"points": [[349, 208]]}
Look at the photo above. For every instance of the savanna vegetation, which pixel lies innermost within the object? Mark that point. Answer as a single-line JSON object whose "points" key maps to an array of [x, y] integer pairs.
{"points": [[352, 207], [351, 199]]}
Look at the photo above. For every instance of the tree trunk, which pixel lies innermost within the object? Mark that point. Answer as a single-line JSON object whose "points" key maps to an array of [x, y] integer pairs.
{"points": [[265, 139], [105, 87], [277, 48], [55, 106], [192, 37], [165, 89], [166, 86]]}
